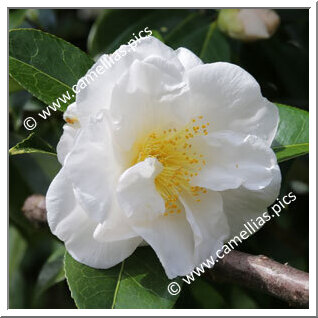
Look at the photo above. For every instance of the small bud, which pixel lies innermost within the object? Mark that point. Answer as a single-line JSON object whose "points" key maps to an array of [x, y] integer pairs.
{"points": [[33, 14], [248, 24], [34, 209]]}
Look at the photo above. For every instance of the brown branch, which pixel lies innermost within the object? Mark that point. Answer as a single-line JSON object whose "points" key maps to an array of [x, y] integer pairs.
{"points": [[256, 272], [264, 274]]}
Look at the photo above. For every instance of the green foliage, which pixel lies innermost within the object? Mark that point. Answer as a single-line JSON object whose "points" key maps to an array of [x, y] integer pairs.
{"points": [[16, 18], [129, 22], [28, 174], [157, 35], [32, 144], [138, 282], [52, 271], [14, 86], [17, 248], [202, 36], [45, 65], [241, 300], [215, 47], [292, 138], [206, 295]]}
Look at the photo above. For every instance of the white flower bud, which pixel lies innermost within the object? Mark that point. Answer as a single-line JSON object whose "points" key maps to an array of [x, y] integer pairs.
{"points": [[248, 24]]}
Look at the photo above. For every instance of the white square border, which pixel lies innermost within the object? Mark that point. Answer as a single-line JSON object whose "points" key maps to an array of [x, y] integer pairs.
{"points": [[312, 161]]}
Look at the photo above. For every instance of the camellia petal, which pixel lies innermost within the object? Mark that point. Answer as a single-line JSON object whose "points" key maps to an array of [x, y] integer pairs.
{"points": [[241, 205], [230, 99], [90, 98], [140, 179], [208, 223], [234, 159], [146, 105], [93, 169], [171, 237], [70, 130], [187, 58], [66, 142], [71, 224]]}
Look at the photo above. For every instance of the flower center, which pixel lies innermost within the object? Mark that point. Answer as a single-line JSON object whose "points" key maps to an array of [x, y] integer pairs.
{"points": [[174, 150]]}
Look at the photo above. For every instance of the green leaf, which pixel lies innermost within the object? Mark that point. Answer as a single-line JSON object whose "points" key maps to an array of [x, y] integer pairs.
{"points": [[138, 282], [241, 300], [292, 137], [100, 39], [206, 295], [189, 33], [14, 86], [28, 175], [16, 105], [17, 248], [52, 271], [201, 36], [128, 23], [16, 17], [32, 144], [215, 47], [45, 65]]}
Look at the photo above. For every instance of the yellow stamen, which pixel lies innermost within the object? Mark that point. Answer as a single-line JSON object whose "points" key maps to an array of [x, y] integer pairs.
{"points": [[72, 120], [172, 148]]}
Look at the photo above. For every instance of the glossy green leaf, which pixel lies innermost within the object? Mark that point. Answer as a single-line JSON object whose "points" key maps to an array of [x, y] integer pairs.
{"points": [[292, 137], [32, 144], [138, 282], [52, 271], [215, 47], [128, 24], [17, 101], [199, 34], [21, 102], [45, 65], [189, 33], [100, 40]]}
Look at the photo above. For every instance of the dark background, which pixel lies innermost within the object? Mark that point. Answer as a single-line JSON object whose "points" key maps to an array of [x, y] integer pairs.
{"points": [[280, 65]]}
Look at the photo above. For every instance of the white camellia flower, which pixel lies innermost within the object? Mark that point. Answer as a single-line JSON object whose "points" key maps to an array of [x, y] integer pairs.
{"points": [[165, 150]]}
